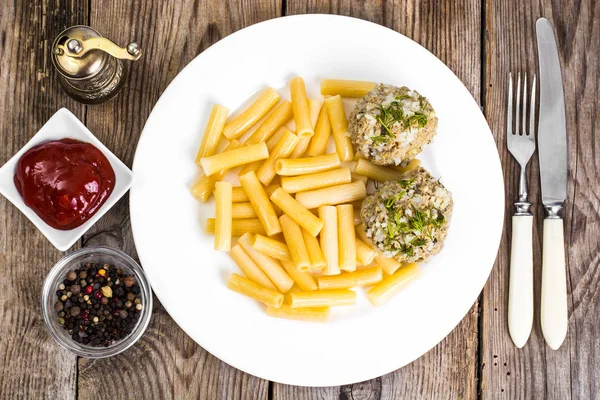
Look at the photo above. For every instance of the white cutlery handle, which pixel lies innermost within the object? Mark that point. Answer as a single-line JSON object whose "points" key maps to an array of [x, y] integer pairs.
{"points": [[554, 314], [520, 289]]}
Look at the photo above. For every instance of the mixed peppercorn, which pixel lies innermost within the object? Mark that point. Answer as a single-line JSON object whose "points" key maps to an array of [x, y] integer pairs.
{"points": [[98, 304]]}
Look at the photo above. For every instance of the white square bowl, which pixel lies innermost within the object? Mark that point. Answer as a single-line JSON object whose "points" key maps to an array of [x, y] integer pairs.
{"points": [[64, 124]]}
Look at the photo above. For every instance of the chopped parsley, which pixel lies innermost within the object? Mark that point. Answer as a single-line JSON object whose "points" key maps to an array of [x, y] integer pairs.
{"points": [[394, 113], [390, 203], [405, 183], [418, 221], [421, 224]]}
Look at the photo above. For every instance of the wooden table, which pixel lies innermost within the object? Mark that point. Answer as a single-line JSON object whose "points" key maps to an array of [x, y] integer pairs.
{"points": [[481, 41]]}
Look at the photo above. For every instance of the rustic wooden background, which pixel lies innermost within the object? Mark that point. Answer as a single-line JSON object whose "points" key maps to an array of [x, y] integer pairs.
{"points": [[481, 41]]}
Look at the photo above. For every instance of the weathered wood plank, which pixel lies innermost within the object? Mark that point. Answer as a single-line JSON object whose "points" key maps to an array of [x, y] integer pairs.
{"points": [[166, 363], [31, 363], [451, 31], [536, 370]]}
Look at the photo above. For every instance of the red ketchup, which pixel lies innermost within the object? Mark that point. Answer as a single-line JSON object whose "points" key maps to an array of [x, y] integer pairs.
{"points": [[64, 181]]}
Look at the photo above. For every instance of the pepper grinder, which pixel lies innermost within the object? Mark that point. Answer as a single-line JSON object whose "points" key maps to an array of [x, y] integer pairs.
{"points": [[89, 65]]}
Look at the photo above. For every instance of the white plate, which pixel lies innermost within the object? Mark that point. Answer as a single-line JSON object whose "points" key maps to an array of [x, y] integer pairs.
{"points": [[63, 124], [188, 276]]}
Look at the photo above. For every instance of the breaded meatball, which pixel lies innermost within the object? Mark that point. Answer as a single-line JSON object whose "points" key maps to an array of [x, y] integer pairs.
{"points": [[390, 125], [408, 218]]}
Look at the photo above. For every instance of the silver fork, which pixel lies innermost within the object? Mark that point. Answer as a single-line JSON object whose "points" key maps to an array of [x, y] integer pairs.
{"points": [[521, 144]]}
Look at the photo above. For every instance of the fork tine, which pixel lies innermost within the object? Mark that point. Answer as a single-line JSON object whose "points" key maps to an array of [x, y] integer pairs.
{"points": [[532, 109], [509, 131], [524, 111], [518, 104]]}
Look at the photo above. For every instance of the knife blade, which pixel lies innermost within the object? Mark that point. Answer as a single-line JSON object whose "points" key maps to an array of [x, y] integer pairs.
{"points": [[552, 153], [552, 126]]}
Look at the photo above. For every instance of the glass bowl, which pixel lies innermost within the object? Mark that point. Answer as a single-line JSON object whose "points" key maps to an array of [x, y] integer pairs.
{"points": [[101, 255]]}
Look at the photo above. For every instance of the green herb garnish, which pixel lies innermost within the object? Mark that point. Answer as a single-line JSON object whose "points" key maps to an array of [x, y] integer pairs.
{"points": [[418, 242], [394, 113], [405, 183], [418, 221]]}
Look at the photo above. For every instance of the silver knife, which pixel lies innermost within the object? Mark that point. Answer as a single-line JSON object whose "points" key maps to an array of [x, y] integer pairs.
{"points": [[552, 153]]}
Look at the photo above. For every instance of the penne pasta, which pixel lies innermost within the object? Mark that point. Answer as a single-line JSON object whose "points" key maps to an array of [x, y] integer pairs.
{"points": [[242, 210], [357, 219], [279, 116], [346, 88], [314, 108], [412, 164], [392, 284], [303, 279], [315, 314], [318, 143], [297, 212], [271, 247], [240, 124], [317, 259], [294, 184], [268, 265], [309, 165], [212, 133], [253, 166], [301, 108], [329, 239], [375, 172], [249, 267], [323, 298], [363, 277], [223, 219], [295, 242], [262, 206], [273, 140], [284, 148], [365, 254], [357, 177], [387, 264], [204, 187], [339, 127], [238, 227], [259, 293], [233, 158], [332, 195], [346, 237], [238, 195]]}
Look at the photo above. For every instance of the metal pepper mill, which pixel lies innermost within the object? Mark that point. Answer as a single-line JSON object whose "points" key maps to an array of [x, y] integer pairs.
{"points": [[89, 65]]}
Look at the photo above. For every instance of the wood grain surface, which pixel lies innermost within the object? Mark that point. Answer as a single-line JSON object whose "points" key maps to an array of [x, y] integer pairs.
{"points": [[536, 371], [480, 41]]}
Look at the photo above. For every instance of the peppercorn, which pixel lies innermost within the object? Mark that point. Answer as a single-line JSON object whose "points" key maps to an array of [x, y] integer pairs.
{"points": [[129, 281], [75, 289], [102, 307], [106, 291]]}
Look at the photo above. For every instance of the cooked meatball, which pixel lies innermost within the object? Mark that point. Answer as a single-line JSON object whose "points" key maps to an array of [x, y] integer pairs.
{"points": [[407, 218], [390, 125]]}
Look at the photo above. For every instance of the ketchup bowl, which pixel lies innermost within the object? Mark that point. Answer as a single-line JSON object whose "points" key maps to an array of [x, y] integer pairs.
{"points": [[64, 126]]}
